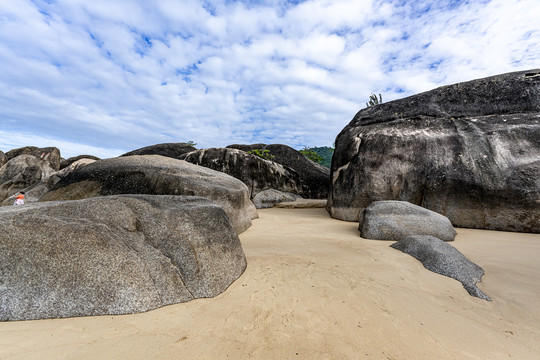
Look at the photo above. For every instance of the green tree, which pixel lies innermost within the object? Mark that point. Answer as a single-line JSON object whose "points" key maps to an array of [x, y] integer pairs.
{"points": [[311, 155], [373, 100], [191, 143], [326, 153], [263, 154]]}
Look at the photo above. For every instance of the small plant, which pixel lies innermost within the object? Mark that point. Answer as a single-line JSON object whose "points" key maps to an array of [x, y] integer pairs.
{"points": [[191, 143], [312, 155], [263, 154], [373, 100]]}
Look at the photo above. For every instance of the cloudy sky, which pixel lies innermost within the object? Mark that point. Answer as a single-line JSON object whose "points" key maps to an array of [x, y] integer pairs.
{"points": [[104, 77]]}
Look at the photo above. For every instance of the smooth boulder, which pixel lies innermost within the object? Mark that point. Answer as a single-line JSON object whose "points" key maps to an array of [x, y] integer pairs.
{"points": [[315, 176], [157, 175], [442, 258], [394, 220], [269, 198], [172, 150], [113, 255], [469, 151], [258, 174]]}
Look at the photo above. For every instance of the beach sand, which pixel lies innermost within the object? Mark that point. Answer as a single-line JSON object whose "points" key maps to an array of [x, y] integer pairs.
{"points": [[314, 289]]}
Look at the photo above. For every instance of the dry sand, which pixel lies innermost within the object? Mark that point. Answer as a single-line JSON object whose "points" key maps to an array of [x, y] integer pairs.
{"points": [[314, 289]]}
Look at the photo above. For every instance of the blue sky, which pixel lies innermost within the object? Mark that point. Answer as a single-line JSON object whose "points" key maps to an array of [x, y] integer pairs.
{"points": [[104, 77]]}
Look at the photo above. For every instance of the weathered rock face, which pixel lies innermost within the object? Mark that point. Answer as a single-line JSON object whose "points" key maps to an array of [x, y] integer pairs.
{"points": [[442, 258], [64, 163], [113, 255], [394, 220], [21, 172], [269, 198], [48, 154], [3, 158], [469, 151], [35, 191], [157, 175], [315, 176], [173, 150], [258, 174]]}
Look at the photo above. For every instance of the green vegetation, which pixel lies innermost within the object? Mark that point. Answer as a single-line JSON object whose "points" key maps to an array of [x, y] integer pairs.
{"points": [[191, 143], [373, 100], [263, 154], [324, 153], [311, 155]]}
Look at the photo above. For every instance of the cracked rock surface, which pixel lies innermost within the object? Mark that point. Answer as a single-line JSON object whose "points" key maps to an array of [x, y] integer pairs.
{"points": [[258, 174], [113, 255]]}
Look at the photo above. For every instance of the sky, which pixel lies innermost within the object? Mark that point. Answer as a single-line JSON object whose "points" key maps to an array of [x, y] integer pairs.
{"points": [[104, 77]]}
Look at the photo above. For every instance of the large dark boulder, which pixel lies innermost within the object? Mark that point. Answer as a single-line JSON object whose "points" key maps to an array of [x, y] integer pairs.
{"points": [[22, 171], [35, 191], [394, 220], [258, 174], [157, 175], [173, 150], [113, 255], [315, 176], [469, 151], [47, 154], [442, 258], [64, 163]]}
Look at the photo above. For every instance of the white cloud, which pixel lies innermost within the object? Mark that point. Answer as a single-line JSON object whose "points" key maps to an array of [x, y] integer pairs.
{"points": [[126, 74]]}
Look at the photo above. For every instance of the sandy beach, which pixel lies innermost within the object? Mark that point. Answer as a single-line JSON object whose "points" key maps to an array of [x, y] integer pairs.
{"points": [[314, 289]]}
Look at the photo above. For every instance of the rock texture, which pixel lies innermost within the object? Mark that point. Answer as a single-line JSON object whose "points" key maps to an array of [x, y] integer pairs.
{"points": [[64, 163], [47, 154], [394, 220], [258, 174], [3, 158], [442, 258], [173, 150], [470, 151], [157, 175], [113, 255], [269, 198], [315, 176], [22, 171], [35, 191]]}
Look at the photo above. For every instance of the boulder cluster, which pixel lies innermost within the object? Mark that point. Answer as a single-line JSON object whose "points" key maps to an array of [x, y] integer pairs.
{"points": [[421, 233], [465, 155], [155, 226], [160, 224]]}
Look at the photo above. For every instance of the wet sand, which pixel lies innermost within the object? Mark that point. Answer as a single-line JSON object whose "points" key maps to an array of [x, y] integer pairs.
{"points": [[314, 289]]}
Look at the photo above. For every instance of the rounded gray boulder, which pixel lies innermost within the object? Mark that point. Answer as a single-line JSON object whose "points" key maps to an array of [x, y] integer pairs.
{"points": [[113, 255], [157, 175], [394, 220]]}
